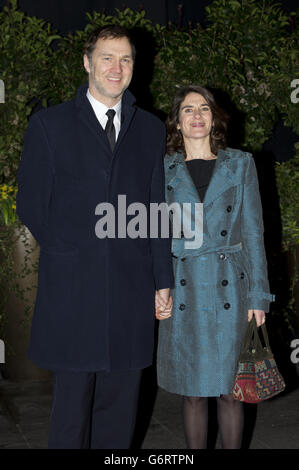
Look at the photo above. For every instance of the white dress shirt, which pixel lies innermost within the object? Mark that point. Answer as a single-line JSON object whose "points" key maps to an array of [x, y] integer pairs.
{"points": [[100, 111]]}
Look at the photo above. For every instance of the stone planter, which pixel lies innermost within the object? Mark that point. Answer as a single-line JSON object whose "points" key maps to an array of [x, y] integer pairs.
{"points": [[17, 329]]}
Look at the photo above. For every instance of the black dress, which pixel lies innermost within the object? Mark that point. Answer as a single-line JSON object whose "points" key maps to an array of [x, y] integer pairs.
{"points": [[201, 171]]}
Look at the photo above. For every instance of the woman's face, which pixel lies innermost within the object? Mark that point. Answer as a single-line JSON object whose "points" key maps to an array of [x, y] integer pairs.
{"points": [[195, 117]]}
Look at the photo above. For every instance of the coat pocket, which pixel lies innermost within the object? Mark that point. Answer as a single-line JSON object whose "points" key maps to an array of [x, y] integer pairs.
{"points": [[241, 273]]}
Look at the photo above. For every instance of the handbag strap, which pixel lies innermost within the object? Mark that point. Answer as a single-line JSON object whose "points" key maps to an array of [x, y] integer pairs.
{"points": [[261, 352], [252, 344], [248, 338], [265, 335]]}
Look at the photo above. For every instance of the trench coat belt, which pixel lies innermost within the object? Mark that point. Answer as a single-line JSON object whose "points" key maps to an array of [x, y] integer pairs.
{"points": [[215, 249]]}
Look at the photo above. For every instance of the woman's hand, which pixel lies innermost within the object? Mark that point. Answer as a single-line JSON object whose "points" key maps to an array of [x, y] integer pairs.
{"points": [[259, 316], [163, 305]]}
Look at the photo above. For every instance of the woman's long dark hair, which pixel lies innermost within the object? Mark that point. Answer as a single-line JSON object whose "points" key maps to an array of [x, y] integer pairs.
{"points": [[175, 141]]}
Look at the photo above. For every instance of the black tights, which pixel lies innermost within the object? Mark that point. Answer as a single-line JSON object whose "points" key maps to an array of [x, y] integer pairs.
{"points": [[230, 421]]}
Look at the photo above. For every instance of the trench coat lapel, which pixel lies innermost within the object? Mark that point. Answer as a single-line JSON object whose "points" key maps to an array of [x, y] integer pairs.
{"points": [[182, 181], [222, 178]]}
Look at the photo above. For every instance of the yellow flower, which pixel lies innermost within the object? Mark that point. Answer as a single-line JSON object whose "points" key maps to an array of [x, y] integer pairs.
{"points": [[14, 206]]}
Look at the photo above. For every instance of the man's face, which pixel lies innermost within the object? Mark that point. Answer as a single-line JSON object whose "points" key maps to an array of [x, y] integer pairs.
{"points": [[110, 69]]}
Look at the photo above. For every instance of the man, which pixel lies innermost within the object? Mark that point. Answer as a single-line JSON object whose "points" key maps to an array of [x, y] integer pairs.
{"points": [[94, 316]]}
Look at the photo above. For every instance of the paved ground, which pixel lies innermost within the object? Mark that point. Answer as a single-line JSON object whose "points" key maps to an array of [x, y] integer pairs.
{"points": [[25, 408]]}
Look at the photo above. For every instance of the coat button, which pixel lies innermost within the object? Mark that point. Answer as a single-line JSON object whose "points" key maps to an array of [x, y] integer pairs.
{"points": [[222, 256], [226, 306], [223, 233], [224, 282], [229, 208], [182, 307], [242, 275], [183, 259], [171, 167], [183, 282], [169, 188]]}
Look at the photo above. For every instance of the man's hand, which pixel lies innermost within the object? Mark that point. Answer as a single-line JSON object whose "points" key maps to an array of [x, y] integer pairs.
{"points": [[259, 316], [163, 304]]}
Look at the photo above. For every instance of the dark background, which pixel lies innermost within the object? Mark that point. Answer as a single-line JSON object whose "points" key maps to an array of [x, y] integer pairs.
{"points": [[69, 16]]}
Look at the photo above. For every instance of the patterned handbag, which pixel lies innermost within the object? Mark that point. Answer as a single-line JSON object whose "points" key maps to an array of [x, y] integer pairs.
{"points": [[257, 377]]}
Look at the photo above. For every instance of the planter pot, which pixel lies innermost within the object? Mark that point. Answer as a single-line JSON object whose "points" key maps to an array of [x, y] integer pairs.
{"points": [[17, 329]]}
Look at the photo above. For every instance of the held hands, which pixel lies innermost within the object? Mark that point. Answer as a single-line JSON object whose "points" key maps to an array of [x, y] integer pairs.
{"points": [[163, 304], [259, 316]]}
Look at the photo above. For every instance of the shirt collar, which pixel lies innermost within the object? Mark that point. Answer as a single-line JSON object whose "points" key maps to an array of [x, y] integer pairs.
{"points": [[101, 109]]}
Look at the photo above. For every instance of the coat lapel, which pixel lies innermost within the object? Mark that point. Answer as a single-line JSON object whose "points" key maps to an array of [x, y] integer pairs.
{"points": [[222, 178], [87, 115], [127, 114], [182, 181], [185, 191]]}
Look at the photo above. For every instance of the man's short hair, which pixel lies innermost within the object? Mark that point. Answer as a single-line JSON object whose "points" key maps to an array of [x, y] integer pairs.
{"points": [[107, 32]]}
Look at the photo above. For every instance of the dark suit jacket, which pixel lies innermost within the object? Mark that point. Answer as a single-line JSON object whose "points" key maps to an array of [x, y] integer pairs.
{"points": [[95, 302]]}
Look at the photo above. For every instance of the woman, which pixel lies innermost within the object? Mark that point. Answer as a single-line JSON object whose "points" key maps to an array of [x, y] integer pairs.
{"points": [[220, 285]]}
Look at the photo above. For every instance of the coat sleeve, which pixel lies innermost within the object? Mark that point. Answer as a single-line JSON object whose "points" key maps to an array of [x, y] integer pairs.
{"points": [[161, 247], [252, 231], [35, 178]]}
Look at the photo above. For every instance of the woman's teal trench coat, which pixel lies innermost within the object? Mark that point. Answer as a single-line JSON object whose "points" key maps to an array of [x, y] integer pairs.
{"points": [[218, 282]]}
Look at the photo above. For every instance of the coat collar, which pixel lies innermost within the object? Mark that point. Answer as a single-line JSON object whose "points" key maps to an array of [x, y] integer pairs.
{"points": [[222, 177], [87, 114], [81, 99]]}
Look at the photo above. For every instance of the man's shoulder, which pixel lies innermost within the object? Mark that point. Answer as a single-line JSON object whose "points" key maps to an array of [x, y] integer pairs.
{"points": [[150, 118], [54, 114]]}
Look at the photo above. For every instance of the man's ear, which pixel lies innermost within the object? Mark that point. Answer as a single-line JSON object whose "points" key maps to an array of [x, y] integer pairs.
{"points": [[86, 63]]}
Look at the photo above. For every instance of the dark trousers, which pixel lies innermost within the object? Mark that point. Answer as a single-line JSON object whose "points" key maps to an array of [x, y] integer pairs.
{"points": [[94, 410]]}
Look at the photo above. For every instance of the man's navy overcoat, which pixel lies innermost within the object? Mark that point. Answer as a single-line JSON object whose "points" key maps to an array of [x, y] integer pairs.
{"points": [[95, 302]]}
